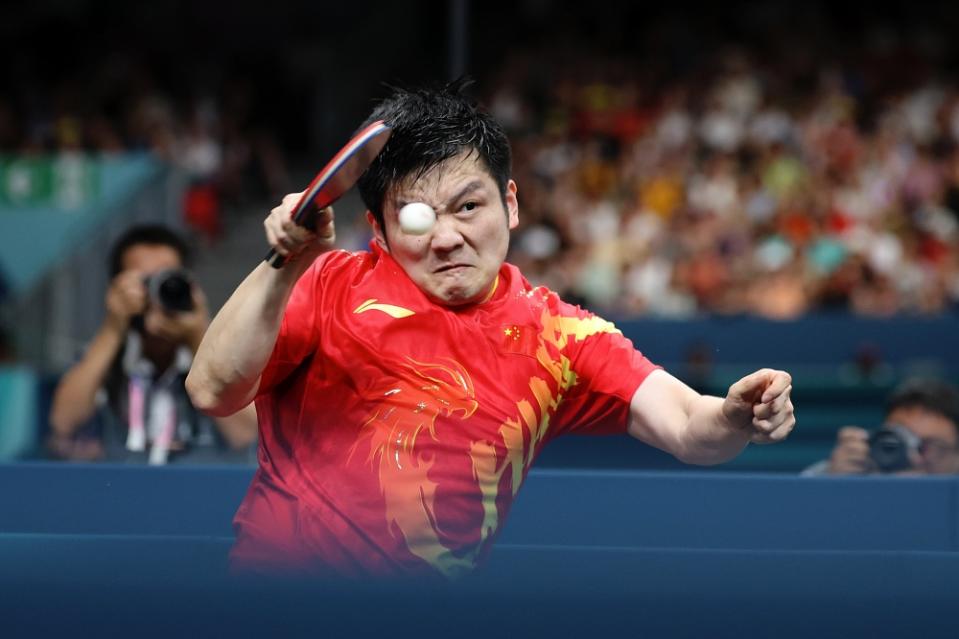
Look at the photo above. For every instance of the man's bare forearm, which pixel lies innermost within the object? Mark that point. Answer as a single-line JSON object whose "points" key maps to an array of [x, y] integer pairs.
{"points": [[670, 415], [75, 397], [709, 436], [237, 345], [700, 429]]}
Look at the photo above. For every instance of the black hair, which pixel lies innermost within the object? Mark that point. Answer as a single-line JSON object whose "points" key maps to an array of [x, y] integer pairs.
{"points": [[430, 126], [933, 395], [150, 234]]}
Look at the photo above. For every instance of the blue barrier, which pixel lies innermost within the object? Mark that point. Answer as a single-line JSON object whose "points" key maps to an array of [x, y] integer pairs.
{"points": [[554, 508], [758, 512], [59, 498], [814, 341], [168, 587], [107, 550]]}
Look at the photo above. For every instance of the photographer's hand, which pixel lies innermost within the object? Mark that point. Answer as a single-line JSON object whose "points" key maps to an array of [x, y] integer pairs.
{"points": [[851, 454], [183, 327], [126, 297]]}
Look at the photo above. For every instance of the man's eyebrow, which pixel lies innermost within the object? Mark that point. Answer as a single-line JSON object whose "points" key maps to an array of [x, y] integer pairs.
{"points": [[475, 185], [470, 187]]}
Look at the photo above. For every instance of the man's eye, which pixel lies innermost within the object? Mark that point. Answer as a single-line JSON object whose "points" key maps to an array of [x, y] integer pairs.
{"points": [[469, 206]]}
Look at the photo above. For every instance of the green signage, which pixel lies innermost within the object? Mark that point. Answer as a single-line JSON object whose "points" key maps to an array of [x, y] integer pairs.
{"points": [[67, 181]]}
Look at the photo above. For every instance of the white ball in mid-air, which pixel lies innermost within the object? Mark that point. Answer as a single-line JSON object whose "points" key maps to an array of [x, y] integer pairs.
{"points": [[417, 218]]}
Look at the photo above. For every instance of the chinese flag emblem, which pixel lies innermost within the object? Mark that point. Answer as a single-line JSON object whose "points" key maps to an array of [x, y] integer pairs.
{"points": [[518, 339]]}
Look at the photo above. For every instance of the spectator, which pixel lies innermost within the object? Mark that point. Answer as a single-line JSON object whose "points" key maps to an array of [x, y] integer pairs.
{"points": [[131, 378], [919, 436], [747, 185]]}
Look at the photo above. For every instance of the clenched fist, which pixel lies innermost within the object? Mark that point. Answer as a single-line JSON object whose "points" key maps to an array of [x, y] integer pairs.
{"points": [[759, 403]]}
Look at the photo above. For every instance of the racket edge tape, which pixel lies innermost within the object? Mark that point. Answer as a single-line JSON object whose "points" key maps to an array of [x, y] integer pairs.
{"points": [[336, 178]]}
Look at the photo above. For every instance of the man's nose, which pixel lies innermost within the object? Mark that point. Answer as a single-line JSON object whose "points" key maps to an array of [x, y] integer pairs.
{"points": [[446, 234]]}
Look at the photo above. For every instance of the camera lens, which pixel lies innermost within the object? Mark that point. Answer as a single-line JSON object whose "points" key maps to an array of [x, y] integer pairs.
{"points": [[889, 447], [171, 289]]}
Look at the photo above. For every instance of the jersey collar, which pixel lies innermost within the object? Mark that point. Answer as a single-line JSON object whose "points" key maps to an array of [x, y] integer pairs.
{"points": [[497, 292]]}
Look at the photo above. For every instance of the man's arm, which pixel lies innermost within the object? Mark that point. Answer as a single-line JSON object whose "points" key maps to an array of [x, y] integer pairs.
{"points": [[236, 347], [701, 429], [74, 400], [188, 328], [225, 375]]}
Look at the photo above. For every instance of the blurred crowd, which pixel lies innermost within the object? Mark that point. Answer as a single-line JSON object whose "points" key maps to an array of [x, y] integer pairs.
{"points": [[812, 167], [740, 184], [120, 104]]}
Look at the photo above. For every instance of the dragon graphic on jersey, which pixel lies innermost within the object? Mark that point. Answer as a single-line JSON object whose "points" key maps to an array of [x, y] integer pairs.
{"points": [[432, 390], [428, 391]]}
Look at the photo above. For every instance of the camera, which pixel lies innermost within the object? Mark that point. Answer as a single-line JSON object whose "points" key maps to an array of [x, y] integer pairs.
{"points": [[171, 290], [893, 447]]}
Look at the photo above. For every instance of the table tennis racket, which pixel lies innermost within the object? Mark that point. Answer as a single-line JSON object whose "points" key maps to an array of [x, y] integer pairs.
{"points": [[336, 178]]}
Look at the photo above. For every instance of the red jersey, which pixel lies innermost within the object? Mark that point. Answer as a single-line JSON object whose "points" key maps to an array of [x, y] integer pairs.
{"points": [[395, 432]]}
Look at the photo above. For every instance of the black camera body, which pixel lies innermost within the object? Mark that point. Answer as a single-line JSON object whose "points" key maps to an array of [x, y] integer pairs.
{"points": [[171, 289], [893, 448]]}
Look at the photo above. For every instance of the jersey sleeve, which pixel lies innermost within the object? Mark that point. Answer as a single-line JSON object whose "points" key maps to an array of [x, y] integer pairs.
{"points": [[299, 335], [608, 371]]}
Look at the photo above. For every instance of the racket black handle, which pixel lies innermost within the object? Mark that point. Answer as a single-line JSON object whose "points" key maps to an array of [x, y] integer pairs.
{"points": [[274, 259]]}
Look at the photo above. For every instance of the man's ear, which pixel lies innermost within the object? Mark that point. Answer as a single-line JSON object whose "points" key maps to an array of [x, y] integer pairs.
{"points": [[378, 233], [512, 205]]}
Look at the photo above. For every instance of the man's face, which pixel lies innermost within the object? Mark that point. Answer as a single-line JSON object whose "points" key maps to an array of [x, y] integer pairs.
{"points": [[456, 262], [938, 453]]}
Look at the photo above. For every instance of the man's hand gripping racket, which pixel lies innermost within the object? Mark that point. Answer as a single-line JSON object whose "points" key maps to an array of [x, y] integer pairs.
{"points": [[292, 226]]}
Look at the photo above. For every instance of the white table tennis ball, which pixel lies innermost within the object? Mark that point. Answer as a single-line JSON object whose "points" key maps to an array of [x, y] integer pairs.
{"points": [[417, 218]]}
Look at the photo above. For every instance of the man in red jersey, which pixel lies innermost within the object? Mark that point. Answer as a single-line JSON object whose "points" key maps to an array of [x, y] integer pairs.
{"points": [[404, 392]]}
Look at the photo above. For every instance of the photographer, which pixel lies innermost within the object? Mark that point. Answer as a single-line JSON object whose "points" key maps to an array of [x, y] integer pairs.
{"points": [[919, 436], [131, 378]]}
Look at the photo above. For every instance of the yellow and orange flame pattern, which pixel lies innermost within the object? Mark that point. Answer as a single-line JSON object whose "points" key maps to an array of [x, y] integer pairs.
{"points": [[445, 389], [551, 354]]}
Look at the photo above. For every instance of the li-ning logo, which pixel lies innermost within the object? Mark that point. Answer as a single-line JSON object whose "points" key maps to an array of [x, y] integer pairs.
{"points": [[396, 312]]}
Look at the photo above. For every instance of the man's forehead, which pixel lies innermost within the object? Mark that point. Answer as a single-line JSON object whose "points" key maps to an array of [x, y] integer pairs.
{"points": [[924, 422], [150, 257], [447, 176]]}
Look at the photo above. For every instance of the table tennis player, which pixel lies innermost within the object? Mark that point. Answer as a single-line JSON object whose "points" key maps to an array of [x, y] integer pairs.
{"points": [[404, 392]]}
